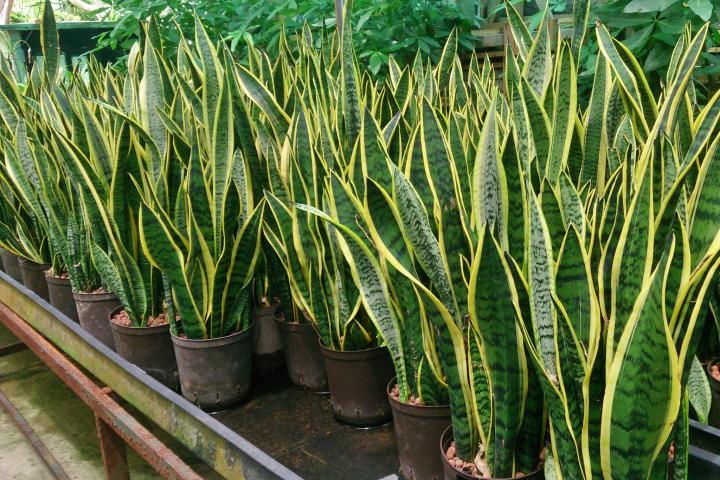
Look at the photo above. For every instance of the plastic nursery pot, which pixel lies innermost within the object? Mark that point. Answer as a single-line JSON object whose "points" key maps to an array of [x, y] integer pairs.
{"points": [[417, 430], [93, 313], [11, 264], [358, 381], [267, 344], [714, 418], [452, 473], [61, 296], [215, 373], [150, 348], [302, 354], [33, 277]]}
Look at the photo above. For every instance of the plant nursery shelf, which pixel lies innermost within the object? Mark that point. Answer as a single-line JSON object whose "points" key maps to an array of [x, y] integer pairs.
{"points": [[297, 428], [279, 425]]}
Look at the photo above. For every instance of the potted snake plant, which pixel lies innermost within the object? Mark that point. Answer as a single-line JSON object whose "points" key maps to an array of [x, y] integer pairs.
{"points": [[656, 266], [357, 364], [27, 239], [30, 243], [207, 242], [294, 318]]}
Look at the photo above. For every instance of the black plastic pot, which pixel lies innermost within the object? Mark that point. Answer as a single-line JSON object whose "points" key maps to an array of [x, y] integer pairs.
{"points": [[11, 265], [714, 418], [267, 344], [451, 473], [61, 296], [150, 348], [216, 373], [417, 430], [358, 381], [33, 277], [302, 355], [93, 312]]}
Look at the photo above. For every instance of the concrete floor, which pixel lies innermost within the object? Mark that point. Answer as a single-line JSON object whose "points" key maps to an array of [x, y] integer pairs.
{"points": [[294, 426], [63, 422]]}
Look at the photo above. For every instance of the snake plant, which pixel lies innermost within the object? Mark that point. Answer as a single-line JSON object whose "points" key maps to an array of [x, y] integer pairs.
{"points": [[25, 230], [203, 234], [544, 267], [35, 168], [622, 247]]}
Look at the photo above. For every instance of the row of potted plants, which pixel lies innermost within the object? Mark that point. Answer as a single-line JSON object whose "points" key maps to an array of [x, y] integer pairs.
{"points": [[560, 261], [513, 278]]}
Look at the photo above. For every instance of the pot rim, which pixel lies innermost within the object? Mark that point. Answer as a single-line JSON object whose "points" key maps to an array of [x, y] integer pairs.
{"points": [[351, 355], [30, 265], [446, 437], [415, 410], [89, 297], [155, 329], [57, 280], [203, 343], [293, 325], [264, 312]]}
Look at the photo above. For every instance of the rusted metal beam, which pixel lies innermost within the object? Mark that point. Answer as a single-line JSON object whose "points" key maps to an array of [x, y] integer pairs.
{"points": [[223, 449], [161, 458], [112, 449], [45, 455]]}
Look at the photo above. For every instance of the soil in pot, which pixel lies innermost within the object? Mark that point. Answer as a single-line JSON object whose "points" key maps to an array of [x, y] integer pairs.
{"points": [[216, 373], [11, 265], [303, 359], [150, 347], [358, 385], [267, 344], [94, 311], [455, 468], [33, 277], [61, 296], [714, 373], [418, 429]]}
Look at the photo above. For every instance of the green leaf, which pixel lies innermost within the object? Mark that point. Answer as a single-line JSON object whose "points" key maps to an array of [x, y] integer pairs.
{"points": [[644, 366], [563, 120], [520, 32], [49, 41], [152, 101], [493, 315], [426, 247], [645, 6], [631, 263], [259, 94], [541, 286], [581, 13], [702, 8], [490, 196], [162, 251], [111, 278], [538, 67], [698, 390], [574, 283]]}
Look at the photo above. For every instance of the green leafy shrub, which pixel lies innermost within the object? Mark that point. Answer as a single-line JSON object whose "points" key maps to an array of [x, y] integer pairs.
{"points": [[382, 28]]}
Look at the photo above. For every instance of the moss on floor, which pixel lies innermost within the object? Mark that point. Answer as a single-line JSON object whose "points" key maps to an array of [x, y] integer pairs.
{"points": [[61, 420]]}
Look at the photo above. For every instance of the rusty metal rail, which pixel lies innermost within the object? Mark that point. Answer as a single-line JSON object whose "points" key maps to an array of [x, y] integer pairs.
{"points": [[30, 318], [115, 426], [40, 448]]}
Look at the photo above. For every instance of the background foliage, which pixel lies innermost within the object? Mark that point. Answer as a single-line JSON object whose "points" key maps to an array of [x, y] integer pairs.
{"points": [[651, 28], [382, 27]]}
